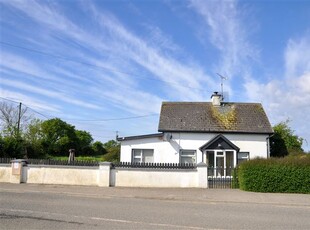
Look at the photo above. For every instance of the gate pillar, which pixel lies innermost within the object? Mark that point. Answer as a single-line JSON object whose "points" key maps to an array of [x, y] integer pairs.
{"points": [[202, 169]]}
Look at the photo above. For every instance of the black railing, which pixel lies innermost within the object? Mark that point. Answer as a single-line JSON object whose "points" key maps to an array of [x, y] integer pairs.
{"points": [[154, 165], [6, 160], [223, 177], [61, 162], [52, 162]]}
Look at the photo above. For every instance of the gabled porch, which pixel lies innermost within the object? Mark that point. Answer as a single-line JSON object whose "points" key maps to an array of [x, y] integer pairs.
{"points": [[220, 154]]}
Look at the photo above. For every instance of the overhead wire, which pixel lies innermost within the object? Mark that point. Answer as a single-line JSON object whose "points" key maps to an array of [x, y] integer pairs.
{"points": [[3, 98], [86, 120]]}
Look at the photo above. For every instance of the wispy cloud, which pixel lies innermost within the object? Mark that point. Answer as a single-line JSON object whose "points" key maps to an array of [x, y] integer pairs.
{"points": [[160, 64], [288, 97], [127, 52], [17, 63], [51, 16], [157, 38], [297, 57], [32, 102], [225, 28], [54, 94]]}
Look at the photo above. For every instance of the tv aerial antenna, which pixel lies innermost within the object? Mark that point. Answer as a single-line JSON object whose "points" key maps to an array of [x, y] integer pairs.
{"points": [[222, 79]]}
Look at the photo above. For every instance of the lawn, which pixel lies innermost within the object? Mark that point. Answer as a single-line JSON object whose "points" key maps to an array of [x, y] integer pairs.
{"points": [[99, 158]]}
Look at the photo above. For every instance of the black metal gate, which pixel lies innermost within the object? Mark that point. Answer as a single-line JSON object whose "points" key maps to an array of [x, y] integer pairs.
{"points": [[224, 178]]}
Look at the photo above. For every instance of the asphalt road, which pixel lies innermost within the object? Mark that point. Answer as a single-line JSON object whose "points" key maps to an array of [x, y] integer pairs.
{"points": [[71, 207]]}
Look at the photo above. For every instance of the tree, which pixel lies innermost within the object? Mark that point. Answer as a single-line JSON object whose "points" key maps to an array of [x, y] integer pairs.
{"points": [[33, 139], [11, 147], [284, 140], [58, 137], [13, 119], [110, 144], [84, 140], [98, 148], [113, 151]]}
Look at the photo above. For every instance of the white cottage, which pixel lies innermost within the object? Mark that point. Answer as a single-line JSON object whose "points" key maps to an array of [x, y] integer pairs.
{"points": [[218, 133]]}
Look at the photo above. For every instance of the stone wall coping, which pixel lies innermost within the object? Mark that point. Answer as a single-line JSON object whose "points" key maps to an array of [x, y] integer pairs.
{"points": [[201, 164], [62, 166], [105, 163], [18, 160], [154, 169]]}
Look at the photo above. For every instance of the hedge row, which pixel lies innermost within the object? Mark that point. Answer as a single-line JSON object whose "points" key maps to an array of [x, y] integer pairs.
{"points": [[283, 175]]}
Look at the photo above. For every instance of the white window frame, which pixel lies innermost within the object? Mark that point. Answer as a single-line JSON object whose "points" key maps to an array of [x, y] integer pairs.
{"points": [[243, 158], [218, 154], [141, 156], [188, 153]]}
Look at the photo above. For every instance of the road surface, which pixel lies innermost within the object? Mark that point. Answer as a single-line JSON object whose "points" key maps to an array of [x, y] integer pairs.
{"points": [[75, 207]]}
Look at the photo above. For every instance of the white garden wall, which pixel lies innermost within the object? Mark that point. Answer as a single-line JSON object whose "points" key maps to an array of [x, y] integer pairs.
{"points": [[61, 175], [154, 178], [5, 173], [106, 176]]}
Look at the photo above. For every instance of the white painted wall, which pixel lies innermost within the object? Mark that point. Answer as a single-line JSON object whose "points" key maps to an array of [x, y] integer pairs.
{"points": [[61, 175], [5, 173], [104, 176], [164, 152], [168, 152], [155, 178]]}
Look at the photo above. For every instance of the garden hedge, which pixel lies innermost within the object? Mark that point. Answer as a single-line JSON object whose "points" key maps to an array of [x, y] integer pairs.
{"points": [[282, 175]]}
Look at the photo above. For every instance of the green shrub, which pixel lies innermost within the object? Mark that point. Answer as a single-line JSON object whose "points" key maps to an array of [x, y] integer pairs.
{"points": [[113, 155], [235, 182], [285, 175]]}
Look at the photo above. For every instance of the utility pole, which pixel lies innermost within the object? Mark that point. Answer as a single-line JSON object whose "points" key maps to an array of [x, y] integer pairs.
{"points": [[19, 116]]}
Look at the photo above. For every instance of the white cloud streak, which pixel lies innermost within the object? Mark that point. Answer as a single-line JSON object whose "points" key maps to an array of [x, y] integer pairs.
{"points": [[126, 50], [297, 57], [223, 25], [289, 97], [160, 64], [31, 102], [45, 92]]}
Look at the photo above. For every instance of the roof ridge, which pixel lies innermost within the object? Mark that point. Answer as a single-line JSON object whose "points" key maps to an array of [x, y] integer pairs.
{"points": [[208, 102]]}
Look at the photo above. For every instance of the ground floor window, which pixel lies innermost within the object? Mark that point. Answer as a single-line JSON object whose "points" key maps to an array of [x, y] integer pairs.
{"points": [[243, 156], [188, 156], [143, 155]]}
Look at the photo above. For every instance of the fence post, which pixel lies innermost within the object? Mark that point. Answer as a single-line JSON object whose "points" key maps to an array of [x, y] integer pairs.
{"points": [[18, 174], [202, 170], [104, 174]]}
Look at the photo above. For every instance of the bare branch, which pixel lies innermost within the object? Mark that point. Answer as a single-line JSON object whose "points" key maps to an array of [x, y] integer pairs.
{"points": [[9, 118]]}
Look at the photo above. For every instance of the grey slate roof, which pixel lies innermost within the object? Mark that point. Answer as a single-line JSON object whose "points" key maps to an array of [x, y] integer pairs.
{"points": [[204, 117]]}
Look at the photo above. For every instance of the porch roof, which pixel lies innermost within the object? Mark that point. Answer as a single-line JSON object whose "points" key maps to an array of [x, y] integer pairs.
{"points": [[219, 142]]}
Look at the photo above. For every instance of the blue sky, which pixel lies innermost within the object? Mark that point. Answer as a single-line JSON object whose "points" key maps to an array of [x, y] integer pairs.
{"points": [[93, 63]]}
